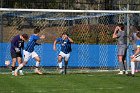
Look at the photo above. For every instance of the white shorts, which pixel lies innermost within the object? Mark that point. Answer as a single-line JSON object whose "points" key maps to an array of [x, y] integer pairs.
{"points": [[137, 57], [65, 56], [27, 55]]}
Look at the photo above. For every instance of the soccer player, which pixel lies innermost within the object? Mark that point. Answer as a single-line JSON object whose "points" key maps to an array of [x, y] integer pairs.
{"points": [[120, 34], [65, 42], [134, 46], [136, 56], [29, 51], [17, 45]]}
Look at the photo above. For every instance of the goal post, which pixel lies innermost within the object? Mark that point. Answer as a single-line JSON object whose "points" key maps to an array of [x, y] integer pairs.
{"points": [[93, 48]]}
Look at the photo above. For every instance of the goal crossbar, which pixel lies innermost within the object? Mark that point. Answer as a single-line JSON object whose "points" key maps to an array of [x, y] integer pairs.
{"points": [[61, 10]]}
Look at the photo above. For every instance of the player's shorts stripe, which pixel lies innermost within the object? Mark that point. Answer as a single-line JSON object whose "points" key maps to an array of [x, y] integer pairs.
{"points": [[137, 56]]}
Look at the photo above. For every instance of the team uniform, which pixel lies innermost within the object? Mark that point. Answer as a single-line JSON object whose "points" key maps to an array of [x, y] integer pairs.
{"points": [[122, 43], [29, 49], [137, 58], [134, 48], [29, 52], [134, 39], [122, 50], [16, 45], [138, 46], [65, 48]]}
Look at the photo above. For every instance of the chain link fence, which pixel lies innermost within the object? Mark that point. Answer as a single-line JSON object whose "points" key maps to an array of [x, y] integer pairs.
{"points": [[93, 48]]}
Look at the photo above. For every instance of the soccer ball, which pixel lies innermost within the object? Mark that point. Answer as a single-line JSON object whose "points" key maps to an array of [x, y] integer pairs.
{"points": [[7, 62]]}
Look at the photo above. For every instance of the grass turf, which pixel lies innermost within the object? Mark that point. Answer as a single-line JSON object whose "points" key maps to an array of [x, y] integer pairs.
{"points": [[70, 83]]}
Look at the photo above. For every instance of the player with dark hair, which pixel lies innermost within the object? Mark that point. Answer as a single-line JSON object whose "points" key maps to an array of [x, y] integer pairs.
{"points": [[65, 42], [17, 45], [136, 56], [29, 51], [133, 39], [120, 34]]}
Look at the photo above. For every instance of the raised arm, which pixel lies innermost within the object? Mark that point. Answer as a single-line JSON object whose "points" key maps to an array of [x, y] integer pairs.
{"points": [[42, 36], [70, 40], [115, 32], [136, 53]]}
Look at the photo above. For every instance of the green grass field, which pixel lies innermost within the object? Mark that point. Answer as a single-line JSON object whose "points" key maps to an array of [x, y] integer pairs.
{"points": [[107, 82]]}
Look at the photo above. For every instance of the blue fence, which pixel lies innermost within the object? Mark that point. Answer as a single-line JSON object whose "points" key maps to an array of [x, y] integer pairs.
{"points": [[81, 55]]}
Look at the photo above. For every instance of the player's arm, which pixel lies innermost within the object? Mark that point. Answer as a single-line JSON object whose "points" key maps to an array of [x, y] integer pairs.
{"points": [[115, 34], [137, 52], [54, 45], [38, 37], [42, 37], [13, 44], [70, 40]]}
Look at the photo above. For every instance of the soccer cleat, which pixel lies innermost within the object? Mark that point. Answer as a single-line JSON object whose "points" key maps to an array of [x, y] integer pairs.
{"points": [[129, 74], [38, 72], [120, 73], [21, 73], [126, 72], [61, 71], [13, 73]]}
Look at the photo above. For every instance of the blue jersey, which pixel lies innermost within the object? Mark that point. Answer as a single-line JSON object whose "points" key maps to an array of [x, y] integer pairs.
{"points": [[138, 43], [31, 43], [16, 42], [65, 45]]}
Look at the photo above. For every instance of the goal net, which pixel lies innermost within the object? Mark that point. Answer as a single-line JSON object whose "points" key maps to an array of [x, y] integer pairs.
{"points": [[93, 48]]}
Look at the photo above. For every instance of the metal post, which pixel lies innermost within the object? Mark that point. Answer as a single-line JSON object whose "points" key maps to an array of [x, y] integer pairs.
{"points": [[128, 30], [1, 24]]}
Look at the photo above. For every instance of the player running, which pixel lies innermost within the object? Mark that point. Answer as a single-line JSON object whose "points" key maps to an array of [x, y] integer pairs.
{"points": [[29, 51], [65, 42], [17, 45]]}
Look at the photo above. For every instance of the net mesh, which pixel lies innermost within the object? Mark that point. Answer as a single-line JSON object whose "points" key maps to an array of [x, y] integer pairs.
{"points": [[93, 46]]}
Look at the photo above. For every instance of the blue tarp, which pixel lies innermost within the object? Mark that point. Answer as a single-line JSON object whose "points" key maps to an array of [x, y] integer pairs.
{"points": [[82, 55]]}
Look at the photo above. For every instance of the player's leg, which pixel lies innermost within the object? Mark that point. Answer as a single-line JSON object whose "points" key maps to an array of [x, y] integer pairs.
{"points": [[121, 66], [133, 66], [136, 63], [13, 55], [13, 65], [133, 61], [65, 67], [124, 61], [60, 64], [66, 58], [37, 58], [121, 53], [19, 62], [25, 60]]}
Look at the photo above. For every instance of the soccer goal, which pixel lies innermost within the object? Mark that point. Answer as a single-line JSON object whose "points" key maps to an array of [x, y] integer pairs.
{"points": [[93, 48]]}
